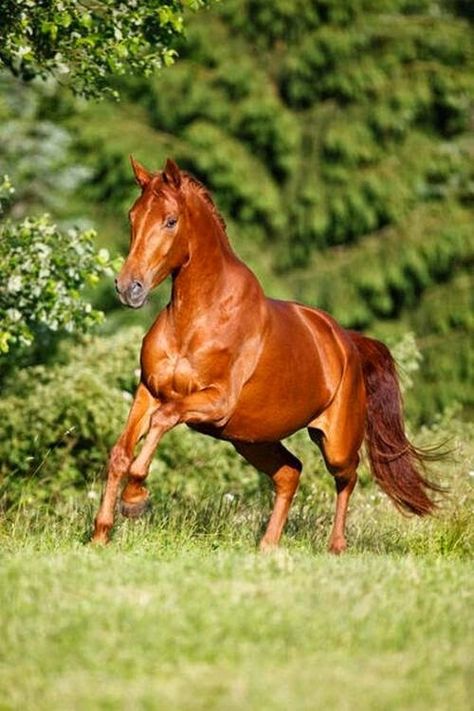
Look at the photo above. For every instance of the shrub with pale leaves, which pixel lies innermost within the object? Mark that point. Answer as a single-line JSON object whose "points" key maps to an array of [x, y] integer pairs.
{"points": [[43, 272]]}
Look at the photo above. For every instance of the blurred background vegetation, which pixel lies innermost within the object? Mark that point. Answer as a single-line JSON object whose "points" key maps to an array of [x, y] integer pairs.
{"points": [[337, 139]]}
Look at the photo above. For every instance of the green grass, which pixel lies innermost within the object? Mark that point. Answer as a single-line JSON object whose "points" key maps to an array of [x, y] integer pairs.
{"points": [[181, 612]]}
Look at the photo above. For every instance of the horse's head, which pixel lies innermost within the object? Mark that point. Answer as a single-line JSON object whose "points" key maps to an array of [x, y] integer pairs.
{"points": [[158, 245]]}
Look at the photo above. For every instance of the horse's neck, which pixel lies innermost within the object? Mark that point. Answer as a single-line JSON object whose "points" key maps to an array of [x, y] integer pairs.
{"points": [[212, 275]]}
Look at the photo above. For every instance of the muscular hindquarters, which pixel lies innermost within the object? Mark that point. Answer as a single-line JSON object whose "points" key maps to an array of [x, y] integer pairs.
{"points": [[339, 430]]}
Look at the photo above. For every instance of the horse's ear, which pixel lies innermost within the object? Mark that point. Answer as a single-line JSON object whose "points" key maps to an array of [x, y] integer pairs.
{"points": [[142, 176], [172, 174]]}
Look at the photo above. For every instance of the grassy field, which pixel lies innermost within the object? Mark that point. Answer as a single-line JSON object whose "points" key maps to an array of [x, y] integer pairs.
{"points": [[181, 612]]}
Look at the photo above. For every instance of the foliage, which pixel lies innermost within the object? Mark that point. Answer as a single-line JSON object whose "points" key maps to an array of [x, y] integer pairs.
{"points": [[6, 191], [78, 408], [37, 152], [42, 274], [336, 138], [381, 279], [90, 42], [44, 269]]}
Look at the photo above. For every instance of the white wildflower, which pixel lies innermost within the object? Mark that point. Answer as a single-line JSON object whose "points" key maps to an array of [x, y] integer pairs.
{"points": [[13, 315], [14, 284]]}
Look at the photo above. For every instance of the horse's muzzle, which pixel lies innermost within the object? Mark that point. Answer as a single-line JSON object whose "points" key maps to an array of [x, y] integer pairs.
{"points": [[134, 294]]}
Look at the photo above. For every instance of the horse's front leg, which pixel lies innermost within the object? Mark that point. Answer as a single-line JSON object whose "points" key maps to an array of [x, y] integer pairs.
{"points": [[120, 458], [207, 405]]}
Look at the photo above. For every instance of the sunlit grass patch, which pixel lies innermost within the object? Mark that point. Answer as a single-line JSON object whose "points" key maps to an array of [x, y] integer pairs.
{"points": [[180, 611]]}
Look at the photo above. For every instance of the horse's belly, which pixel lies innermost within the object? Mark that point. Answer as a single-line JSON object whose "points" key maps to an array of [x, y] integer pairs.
{"points": [[269, 415], [277, 402], [295, 380]]}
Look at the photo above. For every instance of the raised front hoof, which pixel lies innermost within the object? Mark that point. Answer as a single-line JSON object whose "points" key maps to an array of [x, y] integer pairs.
{"points": [[135, 509], [337, 546]]}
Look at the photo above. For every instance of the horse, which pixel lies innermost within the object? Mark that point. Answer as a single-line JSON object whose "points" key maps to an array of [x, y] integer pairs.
{"points": [[231, 363]]}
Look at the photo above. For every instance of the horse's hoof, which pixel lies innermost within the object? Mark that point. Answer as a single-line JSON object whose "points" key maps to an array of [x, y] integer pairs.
{"points": [[338, 546], [97, 542], [135, 509]]}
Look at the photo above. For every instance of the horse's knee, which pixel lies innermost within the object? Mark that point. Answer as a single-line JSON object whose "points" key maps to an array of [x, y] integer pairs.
{"points": [[346, 481], [345, 474], [343, 468], [164, 417], [119, 461]]}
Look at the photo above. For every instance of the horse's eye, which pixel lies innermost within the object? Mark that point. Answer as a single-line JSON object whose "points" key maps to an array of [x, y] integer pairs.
{"points": [[170, 222]]}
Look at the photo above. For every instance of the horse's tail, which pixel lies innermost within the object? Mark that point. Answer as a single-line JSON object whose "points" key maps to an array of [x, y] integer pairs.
{"points": [[395, 462]]}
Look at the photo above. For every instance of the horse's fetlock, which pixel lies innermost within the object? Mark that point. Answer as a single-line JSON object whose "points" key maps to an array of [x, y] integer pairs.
{"points": [[137, 472]]}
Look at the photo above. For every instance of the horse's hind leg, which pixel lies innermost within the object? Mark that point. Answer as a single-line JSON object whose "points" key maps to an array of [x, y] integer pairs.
{"points": [[284, 469], [339, 433], [345, 483], [344, 470]]}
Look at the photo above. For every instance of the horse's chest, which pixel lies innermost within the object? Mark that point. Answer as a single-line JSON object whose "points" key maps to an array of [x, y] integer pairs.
{"points": [[171, 377]]}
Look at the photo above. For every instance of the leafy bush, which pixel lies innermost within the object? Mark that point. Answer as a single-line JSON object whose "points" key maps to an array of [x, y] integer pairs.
{"points": [[90, 42], [42, 274], [37, 152], [58, 422]]}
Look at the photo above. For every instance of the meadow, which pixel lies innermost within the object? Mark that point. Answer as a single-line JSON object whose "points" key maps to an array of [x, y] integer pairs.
{"points": [[181, 612], [336, 137]]}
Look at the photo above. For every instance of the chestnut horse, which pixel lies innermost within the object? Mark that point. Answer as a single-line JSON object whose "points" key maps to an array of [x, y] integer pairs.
{"points": [[233, 364]]}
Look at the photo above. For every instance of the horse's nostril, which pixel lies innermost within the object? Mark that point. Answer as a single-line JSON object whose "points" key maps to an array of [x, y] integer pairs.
{"points": [[132, 292], [136, 288]]}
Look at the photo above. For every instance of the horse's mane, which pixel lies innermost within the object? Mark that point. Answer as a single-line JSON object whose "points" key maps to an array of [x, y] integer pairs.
{"points": [[203, 192]]}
